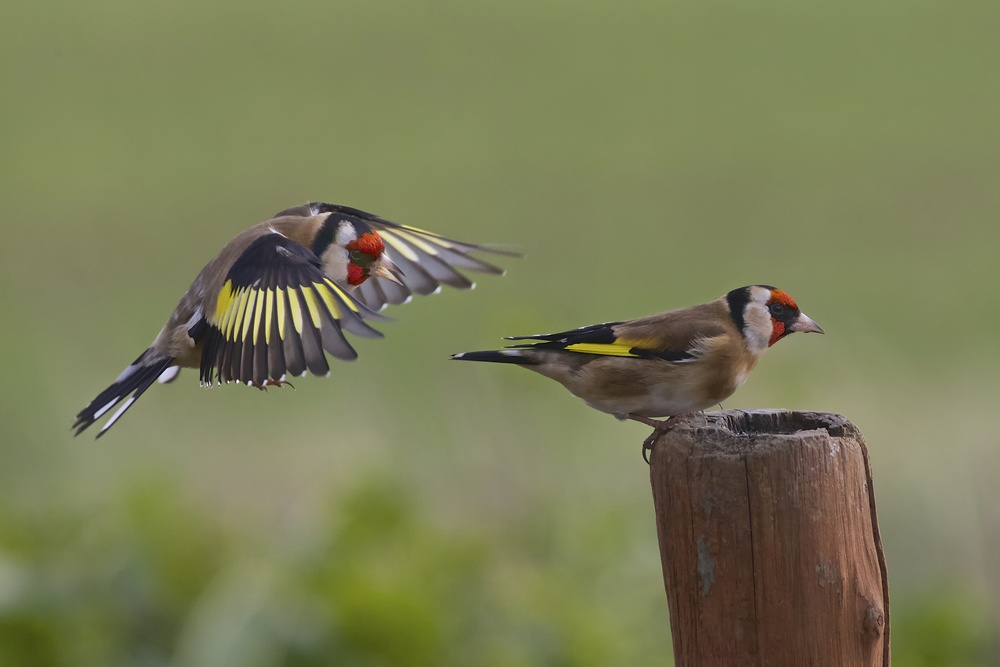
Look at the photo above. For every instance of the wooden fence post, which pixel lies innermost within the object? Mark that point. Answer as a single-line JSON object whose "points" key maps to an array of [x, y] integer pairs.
{"points": [[769, 541]]}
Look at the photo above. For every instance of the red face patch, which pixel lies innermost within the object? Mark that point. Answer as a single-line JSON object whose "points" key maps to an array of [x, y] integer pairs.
{"points": [[369, 243], [777, 296], [355, 275], [777, 331]]}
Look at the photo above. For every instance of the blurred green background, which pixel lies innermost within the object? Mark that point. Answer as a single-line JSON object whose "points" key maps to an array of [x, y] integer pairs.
{"points": [[410, 511]]}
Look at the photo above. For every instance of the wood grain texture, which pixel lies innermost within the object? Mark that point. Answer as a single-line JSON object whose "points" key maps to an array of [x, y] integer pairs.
{"points": [[769, 541]]}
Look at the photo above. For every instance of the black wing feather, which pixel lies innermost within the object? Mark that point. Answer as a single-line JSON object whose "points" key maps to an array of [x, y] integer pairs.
{"points": [[596, 334], [276, 313]]}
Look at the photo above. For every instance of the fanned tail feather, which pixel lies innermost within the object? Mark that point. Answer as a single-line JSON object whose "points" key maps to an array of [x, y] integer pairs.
{"points": [[134, 380]]}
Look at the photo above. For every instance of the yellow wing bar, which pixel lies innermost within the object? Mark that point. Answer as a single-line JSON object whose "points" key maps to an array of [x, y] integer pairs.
{"points": [[247, 313], [604, 349]]}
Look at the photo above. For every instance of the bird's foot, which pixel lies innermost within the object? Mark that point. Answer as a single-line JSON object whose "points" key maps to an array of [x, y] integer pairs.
{"points": [[647, 444], [660, 427], [271, 383]]}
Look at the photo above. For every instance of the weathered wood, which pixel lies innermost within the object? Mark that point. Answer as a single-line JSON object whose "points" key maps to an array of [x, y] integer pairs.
{"points": [[769, 541]]}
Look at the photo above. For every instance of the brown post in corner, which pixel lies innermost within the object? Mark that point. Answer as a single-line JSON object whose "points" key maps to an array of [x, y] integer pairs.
{"points": [[769, 541]]}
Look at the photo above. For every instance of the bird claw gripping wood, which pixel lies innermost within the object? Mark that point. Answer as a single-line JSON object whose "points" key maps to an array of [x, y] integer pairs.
{"points": [[661, 426], [647, 445]]}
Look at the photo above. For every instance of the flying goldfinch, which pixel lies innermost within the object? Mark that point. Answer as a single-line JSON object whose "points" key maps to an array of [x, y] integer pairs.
{"points": [[664, 365], [285, 290]]}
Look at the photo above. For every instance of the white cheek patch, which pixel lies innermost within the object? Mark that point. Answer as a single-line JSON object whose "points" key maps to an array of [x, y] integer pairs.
{"points": [[345, 233], [758, 328], [755, 340]]}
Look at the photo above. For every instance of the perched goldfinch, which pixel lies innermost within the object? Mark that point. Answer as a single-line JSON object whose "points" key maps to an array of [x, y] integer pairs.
{"points": [[285, 290], [663, 365]]}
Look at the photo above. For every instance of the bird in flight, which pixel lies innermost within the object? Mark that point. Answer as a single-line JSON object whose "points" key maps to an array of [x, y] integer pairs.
{"points": [[284, 291]]}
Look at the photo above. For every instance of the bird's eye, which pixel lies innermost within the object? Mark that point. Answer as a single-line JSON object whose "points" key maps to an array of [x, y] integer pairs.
{"points": [[777, 309], [355, 255]]}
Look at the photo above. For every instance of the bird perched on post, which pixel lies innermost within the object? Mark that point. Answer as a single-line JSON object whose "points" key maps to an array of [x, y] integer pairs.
{"points": [[665, 365], [285, 290]]}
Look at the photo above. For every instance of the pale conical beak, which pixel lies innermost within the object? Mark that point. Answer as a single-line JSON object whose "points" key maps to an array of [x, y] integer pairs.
{"points": [[385, 268], [803, 324]]}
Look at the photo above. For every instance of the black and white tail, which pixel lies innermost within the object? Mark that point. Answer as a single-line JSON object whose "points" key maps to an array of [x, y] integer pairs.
{"points": [[507, 356], [134, 380]]}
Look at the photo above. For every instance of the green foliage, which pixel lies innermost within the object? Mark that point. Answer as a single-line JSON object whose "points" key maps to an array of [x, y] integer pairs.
{"points": [[379, 585], [942, 629]]}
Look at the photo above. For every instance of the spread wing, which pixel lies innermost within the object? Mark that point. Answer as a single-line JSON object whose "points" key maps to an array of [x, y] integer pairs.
{"points": [[275, 315], [427, 260]]}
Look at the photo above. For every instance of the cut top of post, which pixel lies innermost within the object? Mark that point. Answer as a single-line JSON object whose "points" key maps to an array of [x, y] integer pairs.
{"points": [[740, 429]]}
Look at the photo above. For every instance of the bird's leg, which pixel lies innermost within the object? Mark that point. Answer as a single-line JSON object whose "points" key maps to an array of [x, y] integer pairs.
{"points": [[661, 426], [272, 383], [658, 424]]}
